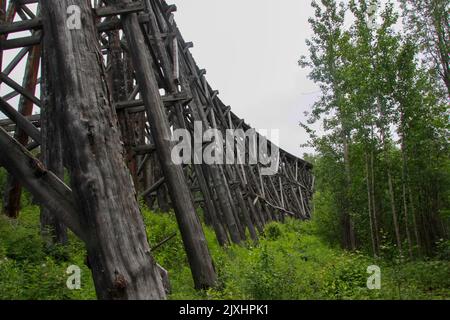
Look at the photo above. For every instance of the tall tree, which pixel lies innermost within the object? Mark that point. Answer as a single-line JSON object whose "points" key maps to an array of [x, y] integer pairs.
{"points": [[327, 64], [375, 93], [428, 22]]}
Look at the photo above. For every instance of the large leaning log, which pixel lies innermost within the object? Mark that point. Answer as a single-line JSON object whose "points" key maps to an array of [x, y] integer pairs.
{"points": [[119, 254], [46, 187], [190, 227], [48, 190]]}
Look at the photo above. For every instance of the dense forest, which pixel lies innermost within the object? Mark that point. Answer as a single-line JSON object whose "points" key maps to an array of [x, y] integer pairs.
{"points": [[382, 166], [382, 180]]}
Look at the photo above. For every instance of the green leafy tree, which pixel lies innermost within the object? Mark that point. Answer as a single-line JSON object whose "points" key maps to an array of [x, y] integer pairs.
{"points": [[428, 22], [327, 65]]}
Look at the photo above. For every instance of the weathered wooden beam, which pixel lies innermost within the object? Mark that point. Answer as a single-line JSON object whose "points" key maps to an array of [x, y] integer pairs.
{"points": [[36, 24], [119, 8], [13, 188], [20, 120], [24, 2], [23, 91], [117, 246], [191, 230], [116, 24], [160, 244], [53, 229], [143, 150], [16, 60], [18, 26], [167, 100], [153, 188], [47, 188], [20, 42], [221, 187], [5, 123]]}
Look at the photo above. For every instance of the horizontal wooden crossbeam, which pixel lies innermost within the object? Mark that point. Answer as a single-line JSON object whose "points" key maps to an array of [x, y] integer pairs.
{"points": [[118, 9]]}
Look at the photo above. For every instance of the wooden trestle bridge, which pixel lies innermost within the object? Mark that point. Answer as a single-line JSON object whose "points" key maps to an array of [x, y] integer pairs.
{"points": [[98, 102]]}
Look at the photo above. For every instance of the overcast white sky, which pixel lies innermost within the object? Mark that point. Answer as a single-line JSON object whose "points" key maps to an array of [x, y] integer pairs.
{"points": [[250, 50]]}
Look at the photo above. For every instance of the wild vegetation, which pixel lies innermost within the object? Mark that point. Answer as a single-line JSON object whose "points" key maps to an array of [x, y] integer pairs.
{"points": [[382, 164], [382, 180], [291, 261]]}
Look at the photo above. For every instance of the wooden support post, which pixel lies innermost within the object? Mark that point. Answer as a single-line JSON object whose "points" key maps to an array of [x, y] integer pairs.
{"points": [[117, 79], [13, 189], [218, 178], [52, 228], [171, 81], [191, 230], [118, 250]]}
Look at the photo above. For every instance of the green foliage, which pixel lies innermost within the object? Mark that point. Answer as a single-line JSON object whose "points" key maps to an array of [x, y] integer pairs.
{"points": [[2, 180], [382, 161], [30, 270], [289, 262], [159, 227], [273, 231], [299, 265]]}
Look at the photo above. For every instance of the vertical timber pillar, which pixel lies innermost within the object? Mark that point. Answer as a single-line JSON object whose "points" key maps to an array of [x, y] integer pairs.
{"points": [[116, 241], [194, 239], [52, 229]]}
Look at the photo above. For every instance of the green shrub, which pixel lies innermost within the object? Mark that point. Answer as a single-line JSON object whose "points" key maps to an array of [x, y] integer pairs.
{"points": [[29, 270], [273, 231], [289, 262]]}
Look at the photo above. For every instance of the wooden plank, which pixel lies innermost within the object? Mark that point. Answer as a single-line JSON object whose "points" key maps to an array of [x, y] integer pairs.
{"points": [[154, 187], [35, 119], [16, 60], [116, 24]]}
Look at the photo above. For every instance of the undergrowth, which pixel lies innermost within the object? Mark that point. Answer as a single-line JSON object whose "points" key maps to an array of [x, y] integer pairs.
{"points": [[290, 261]]}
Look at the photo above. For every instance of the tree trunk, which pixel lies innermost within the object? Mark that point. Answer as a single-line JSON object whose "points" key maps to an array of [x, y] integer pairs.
{"points": [[394, 212], [349, 230], [118, 250], [374, 203], [416, 229], [369, 207], [405, 196]]}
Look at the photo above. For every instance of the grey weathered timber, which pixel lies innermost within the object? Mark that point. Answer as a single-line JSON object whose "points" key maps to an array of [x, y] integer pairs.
{"points": [[171, 86], [46, 187], [116, 241], [192, 233], [26, 102], [52, 228], [117, 83]]}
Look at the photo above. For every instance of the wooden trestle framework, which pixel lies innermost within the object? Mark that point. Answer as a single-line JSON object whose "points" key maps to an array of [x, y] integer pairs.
{"points": [[148, 84]]}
